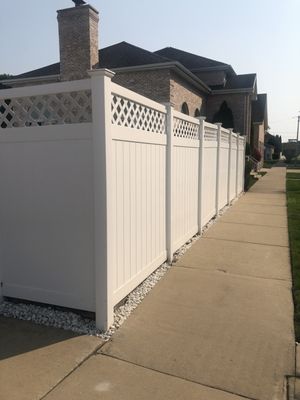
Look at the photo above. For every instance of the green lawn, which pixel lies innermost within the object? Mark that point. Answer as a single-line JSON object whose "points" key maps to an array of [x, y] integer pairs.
{"points": [[293, 202], [293, 175]]}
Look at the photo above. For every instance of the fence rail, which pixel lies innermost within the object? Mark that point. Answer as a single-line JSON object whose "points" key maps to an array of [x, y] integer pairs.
{"points": [[141, 179]]}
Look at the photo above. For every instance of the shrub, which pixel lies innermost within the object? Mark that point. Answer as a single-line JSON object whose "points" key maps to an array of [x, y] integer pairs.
{"points": [[289, 154], [248, 169], [256, 154], [248, 149]]}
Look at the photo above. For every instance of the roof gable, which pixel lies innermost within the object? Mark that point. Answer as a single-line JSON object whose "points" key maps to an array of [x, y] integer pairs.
{"points": [[189, 60], [124, 54]]}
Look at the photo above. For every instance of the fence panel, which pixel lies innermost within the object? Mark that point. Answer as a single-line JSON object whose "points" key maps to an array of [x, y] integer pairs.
{"points": [[139, 180], [209, 173], [223, 168], [46, 197], [241, 164], [185, 178], [233, 166]]}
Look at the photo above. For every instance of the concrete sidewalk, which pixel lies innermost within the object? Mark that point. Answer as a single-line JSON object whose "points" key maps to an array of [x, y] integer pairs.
{"points": [[218, 326], [34, 359]]}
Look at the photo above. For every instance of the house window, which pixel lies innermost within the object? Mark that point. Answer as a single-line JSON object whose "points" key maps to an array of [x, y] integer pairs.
{"points": [[224, 115], [185, 109], [197, 113]]}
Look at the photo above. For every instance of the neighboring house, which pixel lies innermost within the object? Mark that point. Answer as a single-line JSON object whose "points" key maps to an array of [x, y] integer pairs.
{"points": [[259, 123], [291, 148], [194, 85], [275, 142], [269, 151]]}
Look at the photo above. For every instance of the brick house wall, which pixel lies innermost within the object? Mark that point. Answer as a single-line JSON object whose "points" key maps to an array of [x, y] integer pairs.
{"points": [[152, 84], [163, 86], [182, 91]]}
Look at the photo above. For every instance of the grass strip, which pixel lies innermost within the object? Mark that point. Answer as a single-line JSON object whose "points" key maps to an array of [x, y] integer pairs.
{"points": [[293, 175], [293, 205]]}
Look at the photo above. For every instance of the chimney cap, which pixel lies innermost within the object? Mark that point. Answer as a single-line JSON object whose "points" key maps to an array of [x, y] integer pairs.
{"points": [[78, 3]]}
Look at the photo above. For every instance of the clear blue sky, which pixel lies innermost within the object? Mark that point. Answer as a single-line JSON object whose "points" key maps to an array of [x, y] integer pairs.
{"points": [[259, 36]]}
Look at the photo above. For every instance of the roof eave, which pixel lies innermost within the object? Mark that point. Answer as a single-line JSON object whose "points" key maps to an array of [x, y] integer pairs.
{"points": [[213, 68], [54, 78], [232, 91]]}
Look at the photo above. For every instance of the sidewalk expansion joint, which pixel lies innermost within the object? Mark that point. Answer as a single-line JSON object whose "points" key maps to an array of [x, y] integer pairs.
{"points": [[231, 273], [178, 377], [92, 353], [266, 205], [241, 241], [247, 223], [259, 213]]}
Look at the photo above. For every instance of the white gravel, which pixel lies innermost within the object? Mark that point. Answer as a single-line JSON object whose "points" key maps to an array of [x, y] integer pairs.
{"points": [[49, 316]]}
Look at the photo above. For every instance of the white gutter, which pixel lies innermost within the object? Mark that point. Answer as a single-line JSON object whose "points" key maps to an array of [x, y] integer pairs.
{"points": [[30, 80]]}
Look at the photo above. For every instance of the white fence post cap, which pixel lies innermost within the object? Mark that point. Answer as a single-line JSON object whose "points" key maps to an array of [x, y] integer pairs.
{"points": [[101, 72]]}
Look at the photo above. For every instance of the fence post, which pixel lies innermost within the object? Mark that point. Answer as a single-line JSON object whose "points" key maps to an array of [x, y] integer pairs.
{"points": [[237, 165], [244, 165], [219, 125], [169, 182], [1, 285], [102, 163], [229, 165], [200, 172]]}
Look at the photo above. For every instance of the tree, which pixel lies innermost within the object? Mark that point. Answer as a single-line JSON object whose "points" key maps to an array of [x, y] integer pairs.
{"points": [[276, 141], [5, 76]]}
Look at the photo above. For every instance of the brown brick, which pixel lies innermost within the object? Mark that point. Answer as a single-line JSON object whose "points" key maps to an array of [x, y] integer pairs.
{"points": [[78, 38]]}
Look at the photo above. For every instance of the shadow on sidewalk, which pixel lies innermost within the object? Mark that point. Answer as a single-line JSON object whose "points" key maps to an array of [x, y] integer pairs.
{"points": [[18, 337]]}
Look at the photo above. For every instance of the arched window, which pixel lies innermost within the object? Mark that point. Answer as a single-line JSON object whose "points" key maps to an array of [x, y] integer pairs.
{"points": [[185, 109], [224, 115], [197, 113]]}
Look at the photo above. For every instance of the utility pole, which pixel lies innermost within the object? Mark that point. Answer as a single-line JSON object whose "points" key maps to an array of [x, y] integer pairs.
{"points": [[297, 143]]}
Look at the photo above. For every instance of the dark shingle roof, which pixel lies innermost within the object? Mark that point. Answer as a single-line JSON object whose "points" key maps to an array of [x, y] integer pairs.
{"points": [[246, 81], [126, 55], [259, 108], [53, 69], [240, 81], [189, 60], [119, 55]]}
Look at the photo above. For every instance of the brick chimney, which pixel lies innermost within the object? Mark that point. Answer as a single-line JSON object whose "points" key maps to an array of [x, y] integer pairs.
{"points": [[78, 41]]}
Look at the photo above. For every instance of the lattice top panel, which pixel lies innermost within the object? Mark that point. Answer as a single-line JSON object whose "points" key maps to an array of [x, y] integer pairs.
{"points": [[52, 109], [210, 134], [233, 140], [185, 129], [224, 137], [128, 113]]}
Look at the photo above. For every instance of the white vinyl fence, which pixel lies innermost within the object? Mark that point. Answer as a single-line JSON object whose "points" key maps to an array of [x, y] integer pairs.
{"points": [[100, 186]]}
